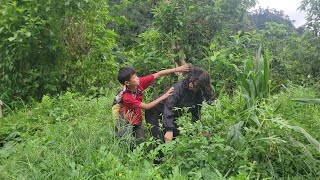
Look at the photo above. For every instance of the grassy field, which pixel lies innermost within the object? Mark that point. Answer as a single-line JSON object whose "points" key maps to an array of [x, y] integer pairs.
{"points": [[72, 137]]}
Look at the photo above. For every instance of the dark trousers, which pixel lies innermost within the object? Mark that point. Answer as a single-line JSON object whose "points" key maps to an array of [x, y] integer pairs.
{"points": [[126, 130], [138, 133], [154, 117]]}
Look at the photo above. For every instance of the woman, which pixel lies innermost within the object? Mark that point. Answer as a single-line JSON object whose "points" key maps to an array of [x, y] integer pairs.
{"points": [[190, 93]]}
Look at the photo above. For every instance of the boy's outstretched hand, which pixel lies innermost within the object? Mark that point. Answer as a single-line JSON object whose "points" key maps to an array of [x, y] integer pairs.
{"points": [[157, 101], [180, 69], [169, 92], [183, 68]]}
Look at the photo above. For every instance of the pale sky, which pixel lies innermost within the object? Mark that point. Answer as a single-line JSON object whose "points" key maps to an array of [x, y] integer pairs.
{"points": [[288, 6]]}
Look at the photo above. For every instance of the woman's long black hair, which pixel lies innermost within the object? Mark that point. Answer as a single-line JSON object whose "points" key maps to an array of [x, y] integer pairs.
{"points": [[203, 78]]}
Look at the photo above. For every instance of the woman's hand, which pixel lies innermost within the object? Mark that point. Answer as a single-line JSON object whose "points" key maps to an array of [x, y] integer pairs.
{"points": [[168, 136]]}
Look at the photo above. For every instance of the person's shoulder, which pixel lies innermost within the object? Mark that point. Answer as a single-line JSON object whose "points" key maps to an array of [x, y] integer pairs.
{"points": [[178, 88], [177, 85]]}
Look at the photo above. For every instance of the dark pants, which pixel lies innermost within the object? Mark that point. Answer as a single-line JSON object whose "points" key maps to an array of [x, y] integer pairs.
{"points": [[126, 130], [138, 133], [154, 117]]}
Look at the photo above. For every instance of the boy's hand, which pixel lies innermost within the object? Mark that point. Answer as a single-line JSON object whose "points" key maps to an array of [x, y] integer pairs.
{"points": [[168, 136], [183, 68], [157, 101], [169, 92], [177, 70]]}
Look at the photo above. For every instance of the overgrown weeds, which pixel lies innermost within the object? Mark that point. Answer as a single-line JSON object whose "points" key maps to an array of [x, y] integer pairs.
{"points": [[73, 137]]}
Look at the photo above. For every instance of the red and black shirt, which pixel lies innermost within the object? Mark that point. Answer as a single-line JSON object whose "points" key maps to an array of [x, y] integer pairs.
{"points": [[131, 101]]}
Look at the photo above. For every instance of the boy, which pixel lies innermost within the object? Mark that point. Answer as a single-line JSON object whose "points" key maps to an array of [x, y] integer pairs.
{"points": [[132, 95]]}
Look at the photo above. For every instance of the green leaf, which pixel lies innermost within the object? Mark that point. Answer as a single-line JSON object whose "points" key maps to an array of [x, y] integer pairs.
{"points": [[234, 134], [191, 7], [28, 34], [212, 46], [255, 119], [308, 136], [307, 100], [11, 38]]}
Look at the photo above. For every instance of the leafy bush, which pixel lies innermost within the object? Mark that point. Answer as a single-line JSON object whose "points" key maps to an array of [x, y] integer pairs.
{"points": [[45, 48], [238, 148]]}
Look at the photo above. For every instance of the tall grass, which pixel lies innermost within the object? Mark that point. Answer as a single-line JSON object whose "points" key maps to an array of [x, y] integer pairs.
{"points": [[306, 115], [72, 137], [60, 138]]}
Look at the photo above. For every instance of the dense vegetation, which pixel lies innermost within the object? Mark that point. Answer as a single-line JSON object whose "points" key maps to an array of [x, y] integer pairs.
{"points": [[59, 60]]}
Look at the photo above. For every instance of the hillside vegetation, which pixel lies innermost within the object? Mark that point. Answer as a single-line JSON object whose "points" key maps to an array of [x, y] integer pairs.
{"points": [[58, 74]]}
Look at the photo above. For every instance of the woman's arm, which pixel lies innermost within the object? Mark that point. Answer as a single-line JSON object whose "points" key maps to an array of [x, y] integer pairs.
{"points": [[168, 111]]}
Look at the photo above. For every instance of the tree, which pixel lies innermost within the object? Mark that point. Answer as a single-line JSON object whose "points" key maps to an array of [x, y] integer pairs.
{"points": [[260, 17], [47, 47], [312, 8], [188, 26], [130, 18]]}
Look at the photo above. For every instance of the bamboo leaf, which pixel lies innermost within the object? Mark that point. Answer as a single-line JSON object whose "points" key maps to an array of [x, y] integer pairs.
{"points": [[307, 100], [259, 60], [302, 146], [245, 84], [253, 92], [248, 65], [308, 136], [266, 75], [255, 119]]}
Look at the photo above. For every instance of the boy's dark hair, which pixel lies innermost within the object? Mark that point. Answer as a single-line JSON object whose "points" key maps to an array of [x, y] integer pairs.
{"points": [[125, 73], [203, 79]]}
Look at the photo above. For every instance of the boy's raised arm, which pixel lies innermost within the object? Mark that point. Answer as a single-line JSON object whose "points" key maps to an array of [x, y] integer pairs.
{"points": [[183, 68]]}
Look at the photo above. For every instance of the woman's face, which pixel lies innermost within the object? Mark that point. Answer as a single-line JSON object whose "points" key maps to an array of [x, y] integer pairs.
{"points": [[193, 84]]}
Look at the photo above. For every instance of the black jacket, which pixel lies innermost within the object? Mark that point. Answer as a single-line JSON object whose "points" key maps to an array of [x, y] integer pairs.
{"points": [[181, 97]]}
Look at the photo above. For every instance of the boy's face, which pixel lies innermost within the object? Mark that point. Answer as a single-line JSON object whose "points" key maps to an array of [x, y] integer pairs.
{"points": [[134, 81]]}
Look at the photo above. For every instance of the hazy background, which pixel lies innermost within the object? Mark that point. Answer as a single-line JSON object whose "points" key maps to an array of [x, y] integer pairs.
{"points": [[288, 6]]}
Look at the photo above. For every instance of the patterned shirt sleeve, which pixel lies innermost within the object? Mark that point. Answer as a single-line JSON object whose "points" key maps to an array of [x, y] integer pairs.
{"points": [[146, 81]]}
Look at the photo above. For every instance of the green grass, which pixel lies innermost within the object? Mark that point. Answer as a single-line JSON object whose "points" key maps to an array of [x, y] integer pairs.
{"points": [[71, 137], [306, 115]]}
